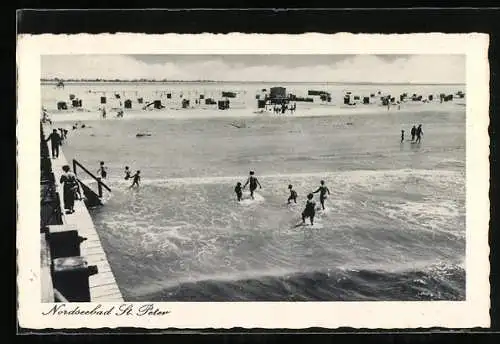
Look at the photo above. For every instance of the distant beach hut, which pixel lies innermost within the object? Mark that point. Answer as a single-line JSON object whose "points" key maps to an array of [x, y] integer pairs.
{"points": [[62, 106], [261, 104], [347, 99], [431, 97], [223, 104], [140, 100], [157, 104], [366, 100], [185, 103], [128, 104], [202, 96], [103, 100], [228, 94], [76, 103], [315, 93]]}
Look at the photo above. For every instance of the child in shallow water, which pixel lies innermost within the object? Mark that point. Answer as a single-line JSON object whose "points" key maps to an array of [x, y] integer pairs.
{"points": [[310, 210], [127, 173], [293, 194], [137, 178], [238, 191]]}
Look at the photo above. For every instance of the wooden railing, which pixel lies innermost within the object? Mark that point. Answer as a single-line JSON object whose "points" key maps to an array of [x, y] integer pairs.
{"points": [[100, 184]]}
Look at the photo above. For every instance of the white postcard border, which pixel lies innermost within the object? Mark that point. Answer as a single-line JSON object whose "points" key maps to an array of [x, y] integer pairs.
{"points": [[474, 312]]}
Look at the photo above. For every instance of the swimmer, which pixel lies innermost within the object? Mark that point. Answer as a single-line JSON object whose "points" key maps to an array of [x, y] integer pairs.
{"points": [[293, 194], [310, 210], [253, 183], [323, 190], [136, 180], [239, 192], [413, 133], [419, 133], [127, 173], [102, 171]]}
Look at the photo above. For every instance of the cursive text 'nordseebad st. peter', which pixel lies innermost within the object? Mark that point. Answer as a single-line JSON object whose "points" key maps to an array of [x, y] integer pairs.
{"points": [[125, 309]]}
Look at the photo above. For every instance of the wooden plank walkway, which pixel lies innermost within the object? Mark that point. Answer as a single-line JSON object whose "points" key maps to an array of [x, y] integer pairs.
{"points": [[45, 274], [103, 286]]}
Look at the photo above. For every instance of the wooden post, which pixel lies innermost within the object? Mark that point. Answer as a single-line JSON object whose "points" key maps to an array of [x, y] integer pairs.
{"points": [[74, 166]]}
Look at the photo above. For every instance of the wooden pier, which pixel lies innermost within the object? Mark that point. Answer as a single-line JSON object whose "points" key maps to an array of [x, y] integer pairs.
{"points": [[102, 285]]}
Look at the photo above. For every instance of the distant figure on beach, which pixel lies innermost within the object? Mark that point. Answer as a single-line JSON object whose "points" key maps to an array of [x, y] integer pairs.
{"points": [[252, 180], [102, 171], [75, 126], [310, 210], [137, 178], [61, 130], [323, 190], [71, 189], [127, 173], [45, 117], [413, 133], [103, 113], [293, 194], [238, 190], [402, 136], [419, 133], [55, 142]]}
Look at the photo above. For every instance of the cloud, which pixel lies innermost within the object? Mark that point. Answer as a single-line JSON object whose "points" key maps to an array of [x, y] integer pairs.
{"points": [[355, 68]]}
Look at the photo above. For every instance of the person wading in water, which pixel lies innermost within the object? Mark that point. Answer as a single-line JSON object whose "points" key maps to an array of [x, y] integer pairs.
{"points": [[252, 180], [310, 210], [323, 190], [419, 133]]}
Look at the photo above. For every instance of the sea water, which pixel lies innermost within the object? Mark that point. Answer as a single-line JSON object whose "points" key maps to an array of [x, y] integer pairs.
{"points": [[394, 227]]}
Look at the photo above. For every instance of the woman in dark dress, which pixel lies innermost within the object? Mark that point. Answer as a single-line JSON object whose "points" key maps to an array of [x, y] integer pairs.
{"points": [[70, 189]]}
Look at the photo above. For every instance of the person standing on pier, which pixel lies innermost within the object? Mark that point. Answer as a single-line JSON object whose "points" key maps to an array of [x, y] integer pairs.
{"points": [[55, 142], [70, 189]]}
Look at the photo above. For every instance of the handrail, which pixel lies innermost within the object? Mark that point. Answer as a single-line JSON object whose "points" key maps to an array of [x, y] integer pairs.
{"points": [[98, 180]]}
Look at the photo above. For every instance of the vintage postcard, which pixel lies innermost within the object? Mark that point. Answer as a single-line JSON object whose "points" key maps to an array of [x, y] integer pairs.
{"points": [[254, 181]]}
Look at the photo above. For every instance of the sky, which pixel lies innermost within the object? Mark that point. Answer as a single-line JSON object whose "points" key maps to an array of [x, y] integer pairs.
{"points": [[291, 68]]}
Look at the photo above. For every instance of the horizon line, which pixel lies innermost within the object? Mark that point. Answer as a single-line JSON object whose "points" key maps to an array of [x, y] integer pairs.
{"points": [[243, 81]]}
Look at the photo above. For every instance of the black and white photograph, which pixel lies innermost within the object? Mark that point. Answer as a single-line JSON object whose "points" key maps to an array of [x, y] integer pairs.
{"points": [[252, 178]]}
